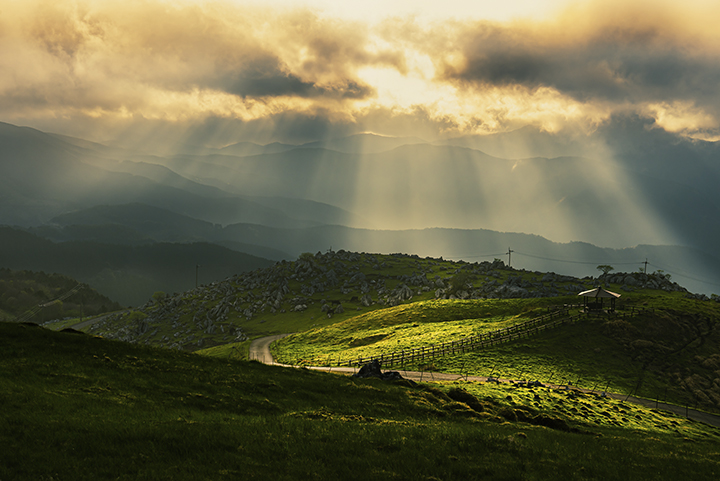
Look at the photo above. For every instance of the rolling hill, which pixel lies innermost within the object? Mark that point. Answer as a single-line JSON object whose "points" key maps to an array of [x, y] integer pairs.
{"points": [[22, 291], [126, 274]]}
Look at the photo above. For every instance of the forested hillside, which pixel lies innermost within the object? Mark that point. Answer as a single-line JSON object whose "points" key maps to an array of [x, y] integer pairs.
{"points": [[127, 274], [21, 291]]}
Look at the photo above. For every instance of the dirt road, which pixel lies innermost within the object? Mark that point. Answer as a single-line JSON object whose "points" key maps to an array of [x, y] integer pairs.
{"points": [[260, 350]]}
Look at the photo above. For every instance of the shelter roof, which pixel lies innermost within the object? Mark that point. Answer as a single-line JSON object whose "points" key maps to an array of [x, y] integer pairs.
{"points": [[599, 292]]}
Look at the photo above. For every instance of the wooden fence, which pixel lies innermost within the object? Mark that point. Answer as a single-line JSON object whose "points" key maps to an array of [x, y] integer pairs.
{"points": [[519, 331]]}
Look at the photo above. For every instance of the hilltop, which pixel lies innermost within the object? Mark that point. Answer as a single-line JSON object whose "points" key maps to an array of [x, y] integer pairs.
{"points": [[329, 287], [314, 290]]}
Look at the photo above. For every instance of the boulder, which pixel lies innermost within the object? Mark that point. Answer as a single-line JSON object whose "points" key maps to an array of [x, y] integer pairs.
{"points": [[403, 293], [372, 369], [630, 281]]}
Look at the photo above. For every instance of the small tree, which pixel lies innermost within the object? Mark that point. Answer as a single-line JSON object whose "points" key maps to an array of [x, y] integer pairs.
{"points": [[605, 268], [662, 274], [158, 297], [459, 281]]}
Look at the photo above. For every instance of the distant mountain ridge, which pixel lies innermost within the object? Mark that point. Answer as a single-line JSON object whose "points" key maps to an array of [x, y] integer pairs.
{"points": [[43, 176], [417, 186], [137, 224], [363, 143], [127, 274]]}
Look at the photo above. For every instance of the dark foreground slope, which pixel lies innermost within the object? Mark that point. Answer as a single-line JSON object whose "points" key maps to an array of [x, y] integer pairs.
{"points": [[79, 407]]}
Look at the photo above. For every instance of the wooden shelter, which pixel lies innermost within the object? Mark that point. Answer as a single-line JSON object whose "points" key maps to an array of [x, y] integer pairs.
{"points": [[593, 300]]}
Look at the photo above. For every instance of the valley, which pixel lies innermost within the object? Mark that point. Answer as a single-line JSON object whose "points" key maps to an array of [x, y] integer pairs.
{"points": [[564, 213]]}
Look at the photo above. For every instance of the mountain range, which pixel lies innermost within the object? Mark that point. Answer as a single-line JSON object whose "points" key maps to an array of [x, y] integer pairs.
{"points": [[552, 199]]}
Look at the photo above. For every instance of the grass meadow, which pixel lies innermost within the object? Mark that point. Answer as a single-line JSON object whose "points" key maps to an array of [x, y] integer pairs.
{"points": [[666, 347], [78, 407], [405, 326]]}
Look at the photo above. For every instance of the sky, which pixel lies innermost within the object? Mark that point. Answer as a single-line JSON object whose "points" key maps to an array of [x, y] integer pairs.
{"points": [[296, 71]]}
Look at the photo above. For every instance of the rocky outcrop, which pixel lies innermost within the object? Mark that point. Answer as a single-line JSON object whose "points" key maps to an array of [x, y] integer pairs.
{"points": [[641, 280], [332, 283]]}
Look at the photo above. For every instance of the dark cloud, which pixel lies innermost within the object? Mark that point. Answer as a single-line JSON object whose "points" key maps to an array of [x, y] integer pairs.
{"points": [[614, 64], [266, 77]]}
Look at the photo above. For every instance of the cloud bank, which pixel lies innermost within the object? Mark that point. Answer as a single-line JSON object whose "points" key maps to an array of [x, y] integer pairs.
{"points": [[106, 67]]}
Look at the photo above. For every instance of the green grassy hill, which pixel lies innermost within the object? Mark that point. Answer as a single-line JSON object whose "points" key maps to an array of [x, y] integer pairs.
{"points": [[345, 305], [79, 407], [326, 288], [319, 290], [659, 346], [21, 291]]}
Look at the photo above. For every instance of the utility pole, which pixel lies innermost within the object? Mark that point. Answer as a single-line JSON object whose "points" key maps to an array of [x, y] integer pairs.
{"points": [[510, 257], [197, 269], [646, 263]]}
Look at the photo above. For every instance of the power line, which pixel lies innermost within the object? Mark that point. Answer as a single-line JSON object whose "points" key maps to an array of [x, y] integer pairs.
{"points": [[704, 281], [31, 312], [644, 263], [574, 262], [478, 256]]}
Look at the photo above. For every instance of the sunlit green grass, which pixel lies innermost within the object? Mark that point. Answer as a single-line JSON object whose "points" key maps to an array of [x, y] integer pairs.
{"points": [[588, 411], [576, 354], [406, 326], [77, 407], [594, 353]]}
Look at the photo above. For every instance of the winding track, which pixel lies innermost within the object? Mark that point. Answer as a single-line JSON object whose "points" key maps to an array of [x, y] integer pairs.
{"points": [[260, 351], [82, 325]]}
